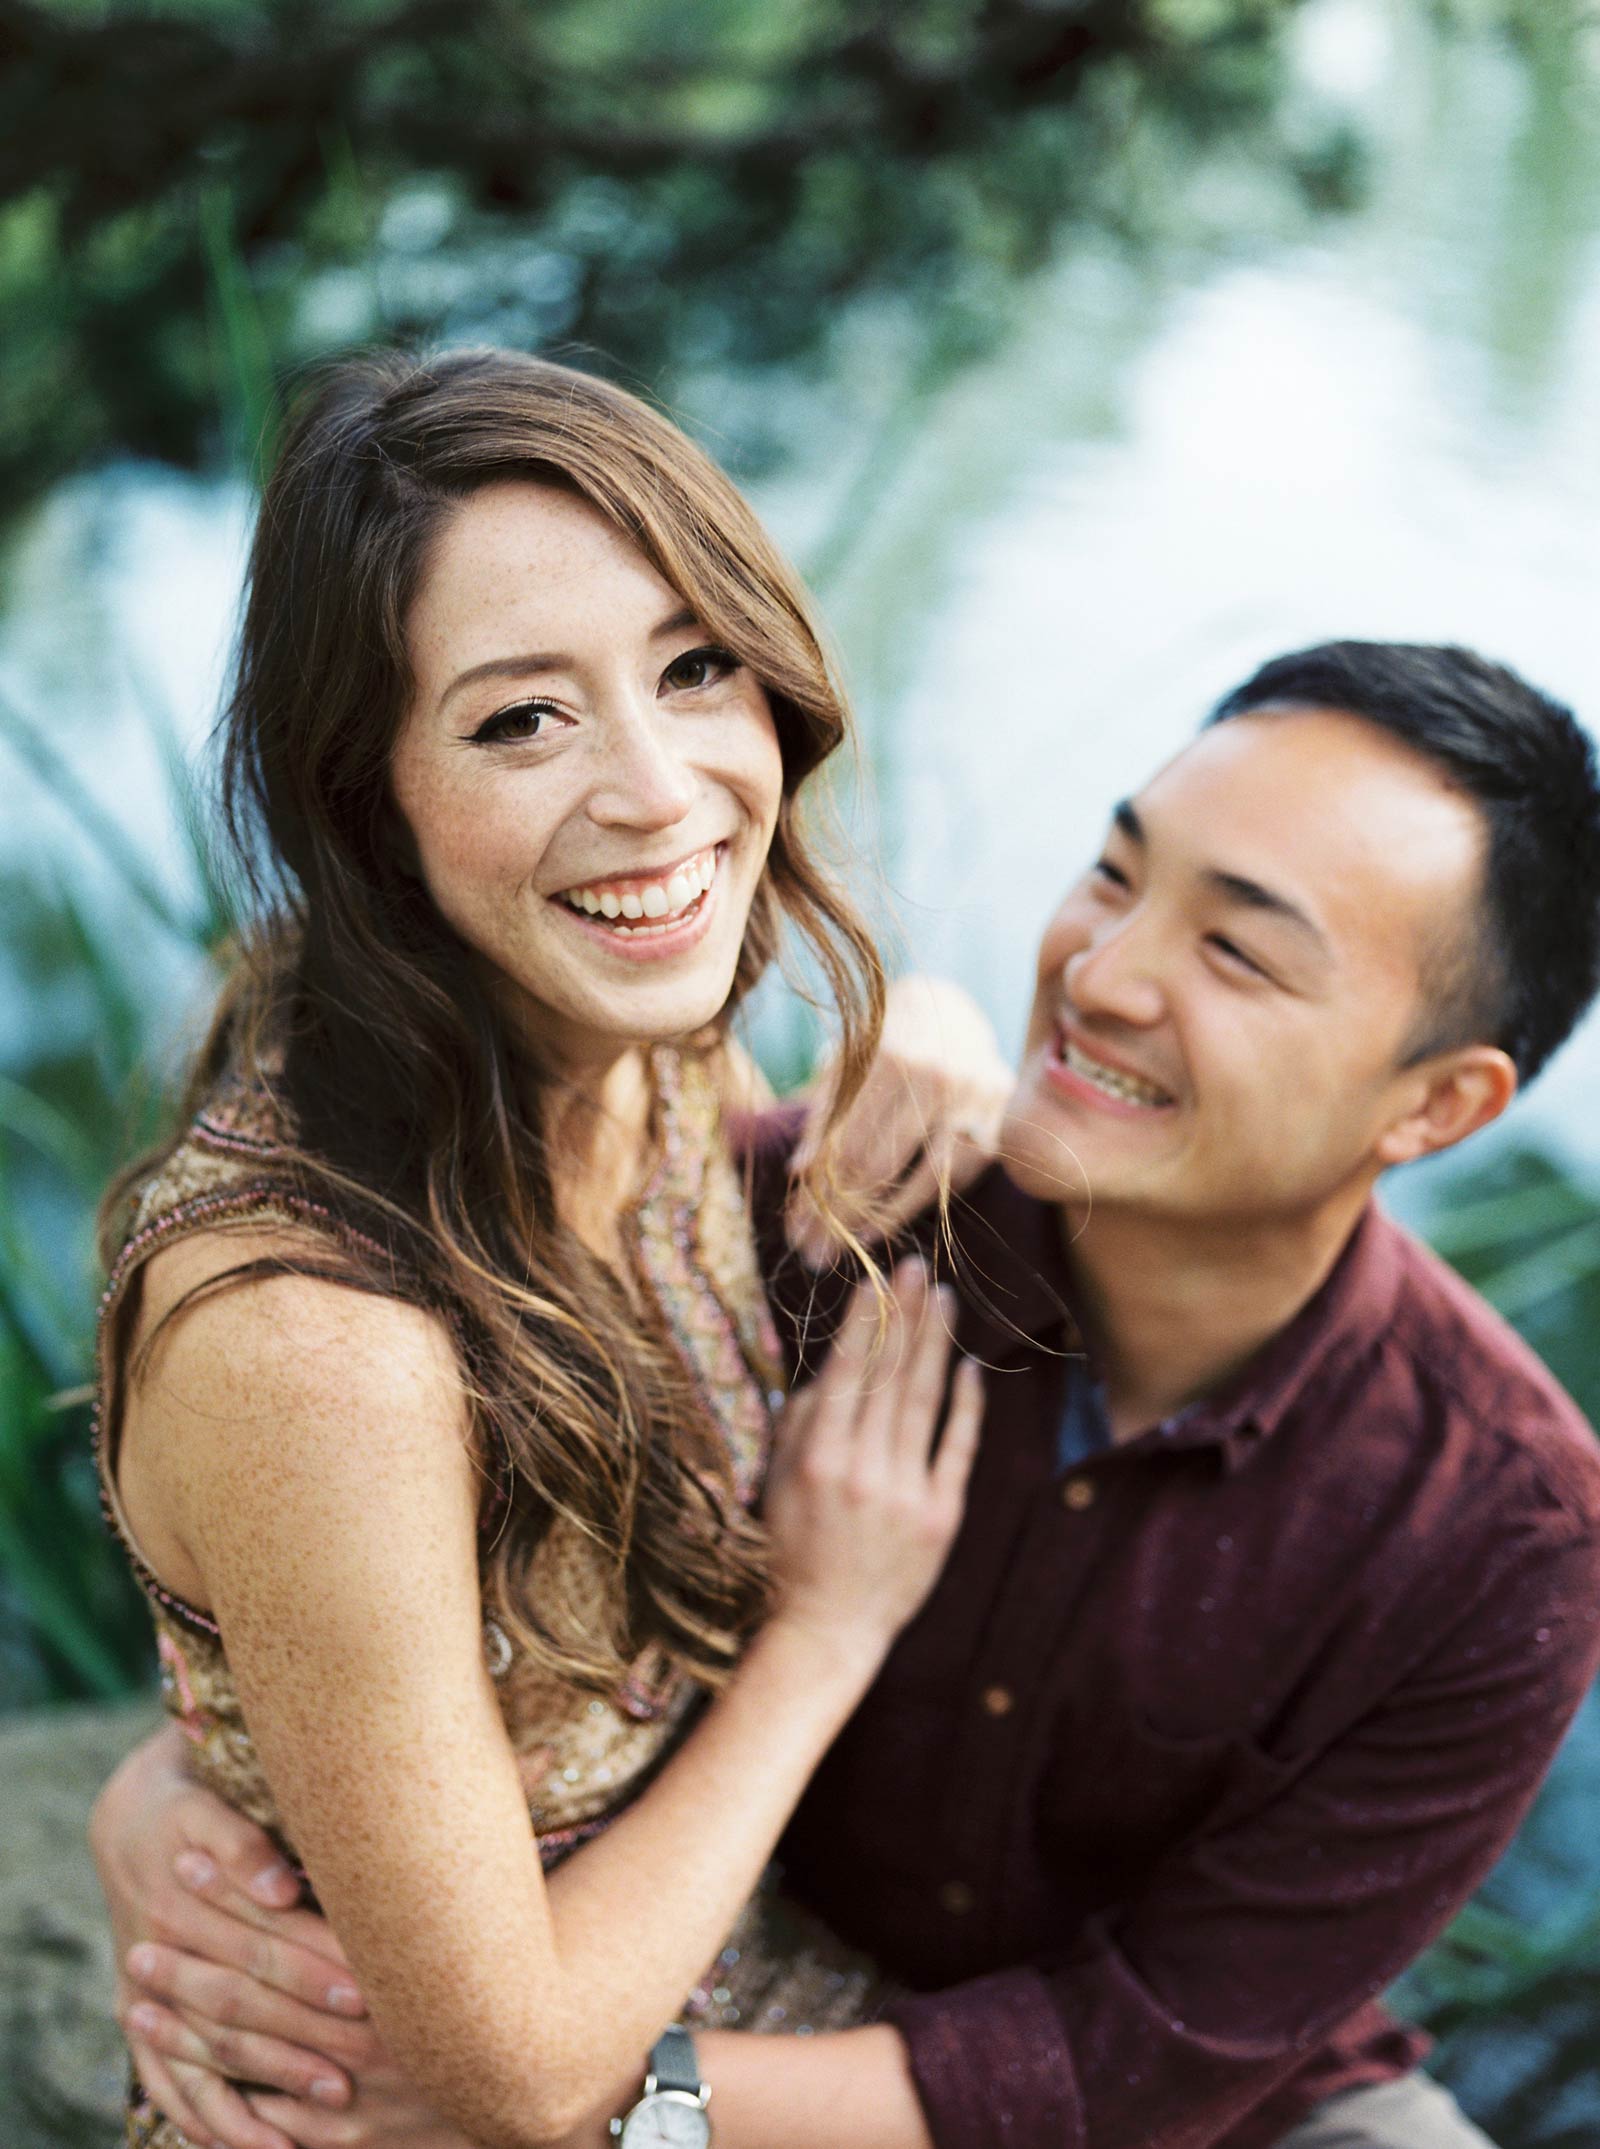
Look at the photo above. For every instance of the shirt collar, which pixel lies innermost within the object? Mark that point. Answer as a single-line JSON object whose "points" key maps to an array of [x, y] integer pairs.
{"points": [[1013, 1273], [1352, 1305]]}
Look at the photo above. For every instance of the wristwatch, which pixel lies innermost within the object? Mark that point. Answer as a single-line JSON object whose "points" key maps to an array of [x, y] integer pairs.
{"points": [[672, 2112]]}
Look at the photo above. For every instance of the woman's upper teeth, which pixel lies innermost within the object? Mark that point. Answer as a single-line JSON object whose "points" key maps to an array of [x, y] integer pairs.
{"points": [[1132, 1088], [647, 899]]}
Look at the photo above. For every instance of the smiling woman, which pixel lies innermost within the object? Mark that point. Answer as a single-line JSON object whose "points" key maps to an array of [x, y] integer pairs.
{"points": [[437, 1382], [621, 755]]}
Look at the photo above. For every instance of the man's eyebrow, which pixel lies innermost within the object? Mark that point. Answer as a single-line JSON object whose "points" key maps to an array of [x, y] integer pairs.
{"points": [[1239, 888], [552, 660]]}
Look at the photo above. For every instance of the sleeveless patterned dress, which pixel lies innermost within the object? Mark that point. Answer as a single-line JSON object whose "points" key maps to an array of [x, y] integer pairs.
{"points": [[585, 1756]]}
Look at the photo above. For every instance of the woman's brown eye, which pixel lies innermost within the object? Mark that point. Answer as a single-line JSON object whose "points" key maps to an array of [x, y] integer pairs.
{"points": [[522, 722], [698, 667]]}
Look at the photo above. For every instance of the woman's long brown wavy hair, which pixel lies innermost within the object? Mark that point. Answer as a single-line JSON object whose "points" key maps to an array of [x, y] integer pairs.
{"points": [[414, 1113]]}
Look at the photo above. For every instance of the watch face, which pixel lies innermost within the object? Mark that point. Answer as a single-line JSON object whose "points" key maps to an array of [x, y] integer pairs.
{"points": [[668, 2120]]}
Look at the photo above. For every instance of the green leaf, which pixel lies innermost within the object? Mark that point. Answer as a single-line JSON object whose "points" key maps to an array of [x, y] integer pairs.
{"points": [[107, 838], [248, 383], [48, 1130], [1566, 1261]]}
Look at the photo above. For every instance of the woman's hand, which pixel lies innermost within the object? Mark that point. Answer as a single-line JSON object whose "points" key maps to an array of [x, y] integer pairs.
{"points": [[929, 1114], [217, 1973], [861, 1506]]}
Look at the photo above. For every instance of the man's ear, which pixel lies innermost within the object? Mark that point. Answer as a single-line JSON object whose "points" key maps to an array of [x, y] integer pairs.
{"points": [[1460, 1092]]}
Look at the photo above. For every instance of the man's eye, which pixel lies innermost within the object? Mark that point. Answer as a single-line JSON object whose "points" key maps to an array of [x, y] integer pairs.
{"points": [[1104, 870], [1236, 954], [700, 667], [524, 720]]}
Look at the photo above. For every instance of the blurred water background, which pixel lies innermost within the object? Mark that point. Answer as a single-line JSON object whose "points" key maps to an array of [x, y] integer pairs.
{"points": [[1081, 356]]}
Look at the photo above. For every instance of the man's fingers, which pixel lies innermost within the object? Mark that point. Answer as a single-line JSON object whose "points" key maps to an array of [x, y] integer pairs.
{"points": [[901, 1203], [263, 1950], [243, 2054], [888, 1125], [305, 2124], [202, 1877], [157, 2081], [237, 1998], [220, 2113], [222, 1845]]}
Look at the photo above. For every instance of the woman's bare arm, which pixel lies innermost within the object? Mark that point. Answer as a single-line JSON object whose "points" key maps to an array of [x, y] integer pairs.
{"points": [[325, 1493]]}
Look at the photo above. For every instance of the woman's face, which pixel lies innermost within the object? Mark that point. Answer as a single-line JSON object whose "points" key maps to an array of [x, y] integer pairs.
{"points": [[591, 784]]}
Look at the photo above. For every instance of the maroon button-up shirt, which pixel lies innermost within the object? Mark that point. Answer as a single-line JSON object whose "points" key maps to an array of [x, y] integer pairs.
{"points": [[1193, 1749]]}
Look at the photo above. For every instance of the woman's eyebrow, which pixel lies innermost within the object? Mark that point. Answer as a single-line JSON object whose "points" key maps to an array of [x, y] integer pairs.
{"points": [[552, 660], [507, 668]]}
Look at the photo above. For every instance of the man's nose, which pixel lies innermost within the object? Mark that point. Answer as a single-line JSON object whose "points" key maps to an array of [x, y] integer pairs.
{"points": [[1119, 974], [641, 778]]}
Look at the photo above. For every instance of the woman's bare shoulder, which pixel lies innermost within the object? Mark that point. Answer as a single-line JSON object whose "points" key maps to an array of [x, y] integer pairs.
{"points": [[302, 1370], [298, 1319]]}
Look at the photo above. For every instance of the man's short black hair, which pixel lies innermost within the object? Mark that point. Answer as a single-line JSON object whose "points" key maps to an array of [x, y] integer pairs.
{"points": [[1525, 969]]}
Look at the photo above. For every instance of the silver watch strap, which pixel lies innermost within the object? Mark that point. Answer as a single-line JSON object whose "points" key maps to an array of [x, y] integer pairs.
{"points": [[673, 2061]]}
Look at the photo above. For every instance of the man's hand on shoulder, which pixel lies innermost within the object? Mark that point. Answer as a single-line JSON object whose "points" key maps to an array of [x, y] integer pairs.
{"points": [[928, 1116]]}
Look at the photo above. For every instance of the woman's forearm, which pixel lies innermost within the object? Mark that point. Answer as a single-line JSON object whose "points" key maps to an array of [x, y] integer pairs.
{"points": [[850, 2090], [668, 1878]]}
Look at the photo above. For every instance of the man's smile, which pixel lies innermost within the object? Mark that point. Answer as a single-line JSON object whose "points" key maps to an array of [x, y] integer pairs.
{"points": [[1086, 1073]]}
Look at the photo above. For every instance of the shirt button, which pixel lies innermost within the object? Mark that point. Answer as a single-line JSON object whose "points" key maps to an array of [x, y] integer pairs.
{"points": [[956, 1897], [998, 1700], [1077, 1493]]}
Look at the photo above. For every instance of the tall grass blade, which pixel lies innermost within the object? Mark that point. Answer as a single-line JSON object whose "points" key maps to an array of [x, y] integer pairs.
{"points": [[214, 920], [108, 840], [1567, 1261], [48, 1130], [247, 379], [1489, 1224]]}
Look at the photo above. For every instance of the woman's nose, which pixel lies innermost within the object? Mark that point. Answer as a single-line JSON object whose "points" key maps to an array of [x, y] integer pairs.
{"points": [[642, 779]]}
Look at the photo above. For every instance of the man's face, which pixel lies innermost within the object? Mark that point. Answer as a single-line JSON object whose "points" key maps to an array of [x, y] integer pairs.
{"points": [[1227, 996]]}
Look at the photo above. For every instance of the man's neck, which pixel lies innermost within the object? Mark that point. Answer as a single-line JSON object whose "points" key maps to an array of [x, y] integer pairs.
{"points": [[1174, 1311]]}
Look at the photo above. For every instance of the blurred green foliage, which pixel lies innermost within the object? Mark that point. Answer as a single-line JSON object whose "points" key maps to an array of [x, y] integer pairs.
{"points": [[85, 1098], [222, 192]]}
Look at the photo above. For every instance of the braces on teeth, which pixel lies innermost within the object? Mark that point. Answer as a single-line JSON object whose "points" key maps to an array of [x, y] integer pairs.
{"points": [[1129, 1088]]}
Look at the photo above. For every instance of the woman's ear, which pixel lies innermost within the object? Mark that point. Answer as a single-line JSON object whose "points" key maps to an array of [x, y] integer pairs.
{"points": [[1463, 1091]]}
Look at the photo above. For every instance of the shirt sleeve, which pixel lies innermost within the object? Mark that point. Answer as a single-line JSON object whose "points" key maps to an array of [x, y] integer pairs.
{"points": [[1168, 2020]]}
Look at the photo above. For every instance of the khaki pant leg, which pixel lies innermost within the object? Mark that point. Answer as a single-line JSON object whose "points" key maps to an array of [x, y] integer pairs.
{"points": [[1412, 2113]]}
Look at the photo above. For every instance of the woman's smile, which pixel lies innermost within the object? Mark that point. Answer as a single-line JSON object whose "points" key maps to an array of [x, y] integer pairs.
{"points": [[649, 916]]}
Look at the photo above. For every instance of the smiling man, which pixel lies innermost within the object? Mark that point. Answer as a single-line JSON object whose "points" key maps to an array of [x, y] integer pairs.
{"points": [[1280, 1575]]}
